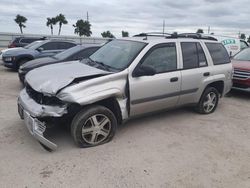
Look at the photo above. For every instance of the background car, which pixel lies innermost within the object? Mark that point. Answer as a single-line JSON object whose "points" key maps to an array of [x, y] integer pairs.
{"points": [[75, 53], [233, 45], [14, 58], [23, 41], [241, 76]]}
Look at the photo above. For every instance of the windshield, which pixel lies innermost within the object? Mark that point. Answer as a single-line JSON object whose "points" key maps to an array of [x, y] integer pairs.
{"points": [[244, 55], [33, 45], [117, 54], [67, 53]]}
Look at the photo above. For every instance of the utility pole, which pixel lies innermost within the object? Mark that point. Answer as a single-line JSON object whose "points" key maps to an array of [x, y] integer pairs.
{"points": [[87, 16], [163, 27], [208, 30]]}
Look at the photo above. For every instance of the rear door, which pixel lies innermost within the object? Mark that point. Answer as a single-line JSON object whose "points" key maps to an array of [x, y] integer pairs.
{"points": [[160, 91], [49, 49], [194, 70]]}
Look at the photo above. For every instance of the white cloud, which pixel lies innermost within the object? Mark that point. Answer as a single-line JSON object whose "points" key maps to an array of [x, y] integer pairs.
{"points": [[224, 17]]}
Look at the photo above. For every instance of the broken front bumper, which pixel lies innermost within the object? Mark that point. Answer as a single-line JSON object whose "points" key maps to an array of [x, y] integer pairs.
{"points": [[30, 111], [36, 128]]}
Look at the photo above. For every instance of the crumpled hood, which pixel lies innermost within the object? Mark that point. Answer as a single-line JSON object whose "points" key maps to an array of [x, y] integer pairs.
{"points": [[237, 64], [38, 63], [51, 78], [17, 51]]}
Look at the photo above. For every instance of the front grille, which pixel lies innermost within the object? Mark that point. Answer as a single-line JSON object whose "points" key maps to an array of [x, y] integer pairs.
{"points": [[241, 74], [40, 98]]}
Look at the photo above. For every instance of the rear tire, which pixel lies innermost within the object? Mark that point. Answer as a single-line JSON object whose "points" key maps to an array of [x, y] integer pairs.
{"points": [[208, 101], [92, 126]]}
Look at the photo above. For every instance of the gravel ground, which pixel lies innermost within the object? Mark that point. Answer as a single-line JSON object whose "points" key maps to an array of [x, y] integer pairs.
{"points": [[178, 148]]}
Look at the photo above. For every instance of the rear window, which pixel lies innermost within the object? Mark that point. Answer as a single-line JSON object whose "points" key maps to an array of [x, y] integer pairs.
{"points": [[218, 53], [65, 45], [28, 40]]}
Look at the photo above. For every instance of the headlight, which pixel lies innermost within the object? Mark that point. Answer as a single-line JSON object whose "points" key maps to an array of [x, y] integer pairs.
{"points": [[8, 59]]}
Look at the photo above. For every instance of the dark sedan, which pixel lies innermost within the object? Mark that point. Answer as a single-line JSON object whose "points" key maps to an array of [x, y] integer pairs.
{"points": [[76, 53]]}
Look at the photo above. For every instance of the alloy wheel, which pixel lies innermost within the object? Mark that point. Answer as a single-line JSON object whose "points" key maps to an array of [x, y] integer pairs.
{"points": [[96, 129], [210, 102]]}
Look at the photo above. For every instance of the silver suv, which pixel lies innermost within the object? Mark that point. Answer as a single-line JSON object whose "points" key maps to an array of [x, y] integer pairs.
{"points": [[123, 79]]}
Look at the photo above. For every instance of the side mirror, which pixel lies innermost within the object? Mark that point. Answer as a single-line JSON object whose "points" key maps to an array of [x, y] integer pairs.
{"points": [[40, 49], [143, 71]]}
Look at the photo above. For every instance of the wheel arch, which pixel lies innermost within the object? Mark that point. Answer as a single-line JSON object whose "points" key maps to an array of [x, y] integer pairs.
{"points": [[218, 85], [27, 56], [112, 103]]}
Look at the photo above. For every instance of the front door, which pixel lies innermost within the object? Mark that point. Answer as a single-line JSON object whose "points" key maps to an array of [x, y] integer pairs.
{"points": [[161, 90]]}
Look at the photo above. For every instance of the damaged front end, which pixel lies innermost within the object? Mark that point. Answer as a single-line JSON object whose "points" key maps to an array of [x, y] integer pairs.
{"points": [[32, 106]]}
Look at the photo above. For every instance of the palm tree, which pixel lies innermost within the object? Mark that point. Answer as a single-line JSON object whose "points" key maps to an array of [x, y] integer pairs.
{"points": [[82, 27], [62, 20], [20, 20], [50, 23]]}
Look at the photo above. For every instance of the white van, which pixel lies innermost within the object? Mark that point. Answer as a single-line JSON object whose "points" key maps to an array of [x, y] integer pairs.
{"points": [[232, 44]]}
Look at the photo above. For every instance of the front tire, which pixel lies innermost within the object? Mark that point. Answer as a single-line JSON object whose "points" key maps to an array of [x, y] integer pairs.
{"points": [[21, 62], [208, 101], [92, 126]]}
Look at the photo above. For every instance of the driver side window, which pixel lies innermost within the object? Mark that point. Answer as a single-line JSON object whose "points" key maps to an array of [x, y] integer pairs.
{"points": [[162, 58]]}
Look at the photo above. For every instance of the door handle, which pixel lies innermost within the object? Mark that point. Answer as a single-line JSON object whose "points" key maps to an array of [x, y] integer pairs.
{"points": [[174, 79], [206, 74]]}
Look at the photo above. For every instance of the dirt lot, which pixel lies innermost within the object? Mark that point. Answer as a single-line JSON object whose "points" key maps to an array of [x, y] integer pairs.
{"points": [[171, 149]]}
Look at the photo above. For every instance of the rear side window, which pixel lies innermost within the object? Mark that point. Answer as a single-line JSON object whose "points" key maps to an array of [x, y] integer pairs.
{"points": [[50, 46], [28, 40], [65, 45], [193, 55], [218, 53]]}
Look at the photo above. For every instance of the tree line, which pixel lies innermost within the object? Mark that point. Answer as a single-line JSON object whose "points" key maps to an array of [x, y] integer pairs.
{"points": [[81, 27]]}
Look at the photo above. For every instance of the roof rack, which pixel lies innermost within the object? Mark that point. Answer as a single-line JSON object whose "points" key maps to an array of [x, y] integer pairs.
{"points": [[175, 35], [152, 34], [193, 36]]}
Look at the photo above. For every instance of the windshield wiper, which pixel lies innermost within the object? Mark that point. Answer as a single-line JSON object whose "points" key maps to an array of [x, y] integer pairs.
{"points": [[107, 67], [98, 63]]}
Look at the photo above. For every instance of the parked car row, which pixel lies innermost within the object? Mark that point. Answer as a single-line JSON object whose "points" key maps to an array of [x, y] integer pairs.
{"points": [[120, 80], [23, 41], [77, 52], [16, 57]]}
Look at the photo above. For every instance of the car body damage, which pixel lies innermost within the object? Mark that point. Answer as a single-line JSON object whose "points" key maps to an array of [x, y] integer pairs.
{"points": [[97, 89], [50, 82], [80, 84], [39, 110]]}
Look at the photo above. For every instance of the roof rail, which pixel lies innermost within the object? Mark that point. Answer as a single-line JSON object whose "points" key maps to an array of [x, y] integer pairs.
{"points": [[175, 35], [193, 36], [152, 34]]}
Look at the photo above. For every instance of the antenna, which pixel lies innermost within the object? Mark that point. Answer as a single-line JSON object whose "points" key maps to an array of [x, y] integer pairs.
{"points": [[163, 27]]}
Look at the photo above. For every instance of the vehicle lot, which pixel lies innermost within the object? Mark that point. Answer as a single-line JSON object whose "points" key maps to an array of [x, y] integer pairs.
{"points": [[172, 149]]}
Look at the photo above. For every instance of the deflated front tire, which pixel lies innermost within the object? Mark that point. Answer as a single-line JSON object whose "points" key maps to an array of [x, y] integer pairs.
{"points": [[92, 126]]}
